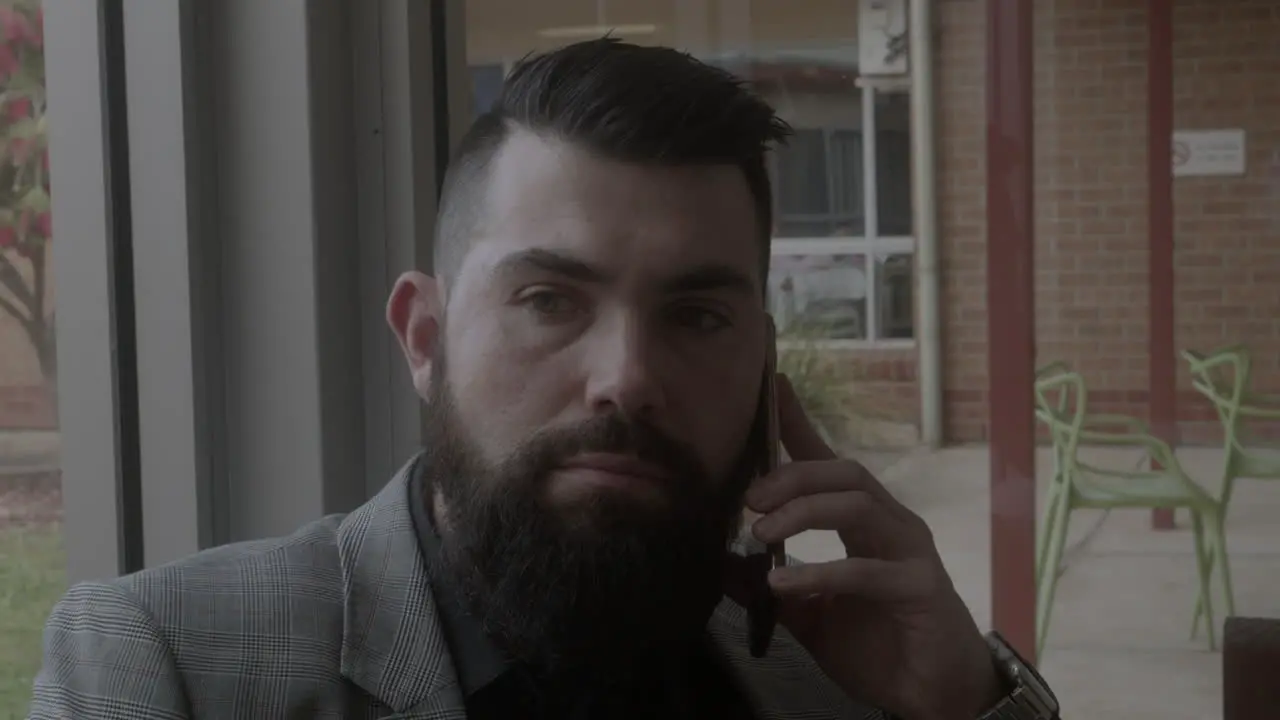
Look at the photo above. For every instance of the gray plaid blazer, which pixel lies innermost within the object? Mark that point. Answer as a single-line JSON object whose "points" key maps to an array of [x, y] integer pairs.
{"points": [[334, 621]]}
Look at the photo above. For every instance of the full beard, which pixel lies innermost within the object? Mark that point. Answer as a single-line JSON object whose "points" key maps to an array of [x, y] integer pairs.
{"points": [[589, 594]]}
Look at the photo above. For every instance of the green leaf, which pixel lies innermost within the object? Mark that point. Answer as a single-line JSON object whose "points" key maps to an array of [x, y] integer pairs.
{"points": [[36, 200], [26, 129]]}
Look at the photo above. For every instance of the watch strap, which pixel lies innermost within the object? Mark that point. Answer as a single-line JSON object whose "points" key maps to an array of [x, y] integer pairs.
{"points": [[1030, 697]]}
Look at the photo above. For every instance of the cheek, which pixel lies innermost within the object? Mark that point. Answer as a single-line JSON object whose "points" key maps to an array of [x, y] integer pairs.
{"points": [[722, 402], [502, 393]]}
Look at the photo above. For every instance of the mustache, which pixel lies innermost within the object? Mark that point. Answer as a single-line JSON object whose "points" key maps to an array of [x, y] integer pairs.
{"points": [[612, 434]]}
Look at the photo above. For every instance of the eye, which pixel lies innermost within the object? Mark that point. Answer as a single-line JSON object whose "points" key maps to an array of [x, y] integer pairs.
{"points": [[699, 318], [549, 304]]}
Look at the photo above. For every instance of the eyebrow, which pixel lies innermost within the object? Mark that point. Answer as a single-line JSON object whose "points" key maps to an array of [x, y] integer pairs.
{"points": [[552, 262], [702, 278]]}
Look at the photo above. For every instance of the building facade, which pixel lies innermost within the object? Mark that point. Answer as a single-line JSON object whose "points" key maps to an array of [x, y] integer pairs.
{"points": [[845, 243]]}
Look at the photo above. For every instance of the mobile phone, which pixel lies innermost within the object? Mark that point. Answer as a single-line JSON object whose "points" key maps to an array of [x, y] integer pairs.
{"points": [[762, 610]]}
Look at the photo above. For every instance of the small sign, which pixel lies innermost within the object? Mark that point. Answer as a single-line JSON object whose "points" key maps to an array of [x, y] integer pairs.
{"points": [[882, 37], [1206, 153]]}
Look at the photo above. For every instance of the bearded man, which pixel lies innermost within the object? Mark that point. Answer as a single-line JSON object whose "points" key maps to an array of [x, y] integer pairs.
{"points": [[592, 352]]}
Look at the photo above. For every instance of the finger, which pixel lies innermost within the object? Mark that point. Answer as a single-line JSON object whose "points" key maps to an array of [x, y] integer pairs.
{"points": [[798, 435], [869, 578], [797, 479], [860, 519]]}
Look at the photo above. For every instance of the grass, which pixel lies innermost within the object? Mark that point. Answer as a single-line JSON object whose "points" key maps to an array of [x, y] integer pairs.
{"points": [[32, 578]]}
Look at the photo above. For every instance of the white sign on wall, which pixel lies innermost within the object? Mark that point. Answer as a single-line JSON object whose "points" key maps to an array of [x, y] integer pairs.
{"points": [[882, 37], [1204, 153]]}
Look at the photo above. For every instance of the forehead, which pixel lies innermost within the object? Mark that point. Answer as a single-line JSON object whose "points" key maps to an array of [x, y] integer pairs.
{"points": [[547, 193]]}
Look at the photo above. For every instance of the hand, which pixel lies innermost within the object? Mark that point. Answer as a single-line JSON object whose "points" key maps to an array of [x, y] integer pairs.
{"points": [[886, 623]]}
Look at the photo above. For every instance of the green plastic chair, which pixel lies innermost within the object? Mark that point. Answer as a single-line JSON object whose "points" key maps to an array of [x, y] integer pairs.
{"points": [[1223, 376], [1062, 404]]}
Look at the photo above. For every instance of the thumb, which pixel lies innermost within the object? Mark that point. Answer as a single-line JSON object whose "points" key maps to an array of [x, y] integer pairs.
{"points": [[799, 437]]}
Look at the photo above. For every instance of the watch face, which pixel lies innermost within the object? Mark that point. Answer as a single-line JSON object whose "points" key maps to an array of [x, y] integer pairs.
{"points": [[1032, 694]]}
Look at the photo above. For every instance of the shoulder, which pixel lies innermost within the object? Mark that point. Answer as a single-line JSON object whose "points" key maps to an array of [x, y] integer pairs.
{"points": [[150, 638], [103, 652], [223, 596], [305, 562]]}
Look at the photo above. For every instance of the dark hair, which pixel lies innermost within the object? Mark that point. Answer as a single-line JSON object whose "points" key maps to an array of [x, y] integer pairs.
{"points": [[632, 103]]}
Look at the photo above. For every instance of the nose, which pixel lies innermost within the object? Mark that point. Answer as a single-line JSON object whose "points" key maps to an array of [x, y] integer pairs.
{"points": [[622, 370]]}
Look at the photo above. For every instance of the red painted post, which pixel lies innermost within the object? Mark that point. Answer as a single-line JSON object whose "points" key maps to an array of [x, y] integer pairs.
{"points": [[1011, 320], [1162, 398]]}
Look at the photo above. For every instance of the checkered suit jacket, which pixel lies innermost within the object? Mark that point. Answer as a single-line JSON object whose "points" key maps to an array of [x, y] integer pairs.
{"points": [[334, 621]]}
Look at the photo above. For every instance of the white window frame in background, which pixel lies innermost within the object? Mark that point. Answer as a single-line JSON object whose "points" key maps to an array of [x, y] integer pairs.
{"points": [[870, 249], [870, 245]]}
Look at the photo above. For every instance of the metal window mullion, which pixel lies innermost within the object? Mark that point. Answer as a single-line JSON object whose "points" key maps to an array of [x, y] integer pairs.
{"points": [[870, 200], [91, 270], [174, 268], [396, 197], [119, 192], [833, 176]]}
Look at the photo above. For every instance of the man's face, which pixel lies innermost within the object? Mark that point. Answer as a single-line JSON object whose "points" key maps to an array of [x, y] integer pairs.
{"points": [[595, 287], [604, 343]]}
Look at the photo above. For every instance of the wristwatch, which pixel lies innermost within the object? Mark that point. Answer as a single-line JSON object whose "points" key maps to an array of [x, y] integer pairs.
{"points": [[1029, 697]]}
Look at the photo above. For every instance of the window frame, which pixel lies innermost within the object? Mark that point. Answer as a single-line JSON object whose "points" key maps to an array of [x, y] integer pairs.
{"points": [[870, 244]]}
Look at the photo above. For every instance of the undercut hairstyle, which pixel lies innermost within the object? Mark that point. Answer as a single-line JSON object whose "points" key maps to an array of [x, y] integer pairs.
{"points": [[625, 102]]}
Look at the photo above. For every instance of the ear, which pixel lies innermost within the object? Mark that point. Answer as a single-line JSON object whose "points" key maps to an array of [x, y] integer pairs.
{"points": [[415, 312]]}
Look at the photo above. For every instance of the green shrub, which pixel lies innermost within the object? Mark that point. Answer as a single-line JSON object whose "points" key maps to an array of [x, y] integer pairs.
{"points": [[827, 383]]}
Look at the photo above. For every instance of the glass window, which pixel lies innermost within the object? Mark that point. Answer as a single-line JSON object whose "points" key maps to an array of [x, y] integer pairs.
{"points": [[819, 296], [1092, 205], [486, 83], [893, 163], [803, 58], [895, 296], [818, 187], [32, 561]]}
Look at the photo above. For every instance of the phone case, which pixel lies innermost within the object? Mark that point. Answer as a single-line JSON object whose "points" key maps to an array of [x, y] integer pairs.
{"points": [[762, 611]]}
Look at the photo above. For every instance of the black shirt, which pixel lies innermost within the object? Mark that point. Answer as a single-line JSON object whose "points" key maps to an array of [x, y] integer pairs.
{"points": [[495, 689]]}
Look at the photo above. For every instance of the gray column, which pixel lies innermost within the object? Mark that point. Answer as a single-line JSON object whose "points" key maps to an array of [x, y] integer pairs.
{"points": [[174, 266], [395, 113], [282, 168], [83, 270], [323, 121], [282, 98]]}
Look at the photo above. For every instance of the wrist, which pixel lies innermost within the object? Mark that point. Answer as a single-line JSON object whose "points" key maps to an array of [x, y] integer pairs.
{"points": [[994, 690], [1028, 696]]}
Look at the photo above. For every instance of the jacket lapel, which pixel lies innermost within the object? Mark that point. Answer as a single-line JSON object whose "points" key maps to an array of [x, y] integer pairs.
{"points": [[393, 646]]}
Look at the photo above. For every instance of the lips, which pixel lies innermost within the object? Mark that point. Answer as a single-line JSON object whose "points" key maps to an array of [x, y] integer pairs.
{"points": [[619, 465]]}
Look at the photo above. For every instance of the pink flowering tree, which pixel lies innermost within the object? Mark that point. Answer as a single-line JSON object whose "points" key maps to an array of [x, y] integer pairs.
{"points": [[25, 226]]}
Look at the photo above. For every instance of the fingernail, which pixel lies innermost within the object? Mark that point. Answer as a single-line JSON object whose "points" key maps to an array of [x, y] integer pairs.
{"points": [[779, 577], [760, 530]]}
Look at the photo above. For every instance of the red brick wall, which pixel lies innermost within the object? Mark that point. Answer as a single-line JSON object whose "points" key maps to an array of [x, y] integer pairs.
{"points": [[1091, 245], [961, 123], [885, 394]]}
